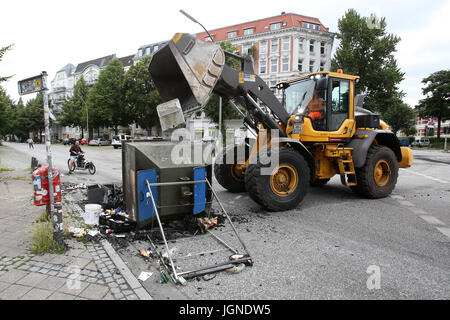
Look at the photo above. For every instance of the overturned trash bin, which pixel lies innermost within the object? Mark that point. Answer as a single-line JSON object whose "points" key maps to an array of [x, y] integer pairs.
{"points": [[181, 182]]}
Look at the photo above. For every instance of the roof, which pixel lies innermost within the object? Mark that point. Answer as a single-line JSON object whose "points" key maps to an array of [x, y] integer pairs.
{"points": [[68, 69], [127, 61], [151, 51], [263, 25], [99, 62]]}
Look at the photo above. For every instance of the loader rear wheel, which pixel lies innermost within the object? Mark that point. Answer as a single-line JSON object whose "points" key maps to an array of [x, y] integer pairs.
{"points": [[285, 186], [231, 175], [379, 175]]}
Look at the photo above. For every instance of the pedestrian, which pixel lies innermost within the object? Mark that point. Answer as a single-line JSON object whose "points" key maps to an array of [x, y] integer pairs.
{"points": [[30, 143]]}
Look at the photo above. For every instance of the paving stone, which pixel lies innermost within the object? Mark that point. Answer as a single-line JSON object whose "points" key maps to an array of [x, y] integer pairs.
{"points": [[82, 277], [124, 286], [100, 281], [13, 276], [127, 292], [62, 274], [107, 275], [109, 296], [94, 291], [120, 281], [14, 292], [34, 269], [132, 297], [4, 285], [61, 296], [44, 271], [51, 283], [91, 280], [32, 279], [113, 285], [71, 290], [52, 273], [36, 294], [109, 279]]}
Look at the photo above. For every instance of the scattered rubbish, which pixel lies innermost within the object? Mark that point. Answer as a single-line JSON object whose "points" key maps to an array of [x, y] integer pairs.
{"points": [[81, 234], [143, 253], [236, 256], [108, 195], [164, 277], [144, 275], [93, 233], [171, 252], [236, 269], [208, 222], [208, 277], [117, 223], [92, 213], [75, 231], [182, 281], [120, 235]]}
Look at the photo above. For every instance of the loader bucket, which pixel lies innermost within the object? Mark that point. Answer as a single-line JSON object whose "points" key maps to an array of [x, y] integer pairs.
{"points": [[188, 69]]}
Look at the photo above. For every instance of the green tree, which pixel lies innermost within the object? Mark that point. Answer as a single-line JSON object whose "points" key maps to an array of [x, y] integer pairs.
{"points": [[73, 109], [366, 50], [212, 107], [400, 117], [2, 52], [106, 103], [437, 101], [5, 113], [141, 96]]}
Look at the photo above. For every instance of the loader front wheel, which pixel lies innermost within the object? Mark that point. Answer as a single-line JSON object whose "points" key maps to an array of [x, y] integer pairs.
{"points": [[229, 171], [379, 175], [278, 187]]}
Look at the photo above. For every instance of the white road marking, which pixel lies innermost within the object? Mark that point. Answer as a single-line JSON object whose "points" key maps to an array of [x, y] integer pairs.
{"points": [[445, 231], [425, 176], [418, 211], [405, 203], [432, 220]]}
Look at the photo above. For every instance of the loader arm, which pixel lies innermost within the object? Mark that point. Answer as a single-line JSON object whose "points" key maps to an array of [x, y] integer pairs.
{"points": [[192, 70]]}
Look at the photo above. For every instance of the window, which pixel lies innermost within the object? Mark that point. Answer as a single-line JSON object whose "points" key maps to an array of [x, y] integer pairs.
{"points": [[232, 34], [311, 46], [140, 52], [300, 65], [245, 48], [262, 66], [322, 66], [248, 31], [263, 47], [274, 65], [155, 48], [275, 26], [311, 66], [286, 44], [285, 64], [272, 86], [274, 46], [300, 45], [339, 103], [311, 26], [322, 48], [147, 51]]}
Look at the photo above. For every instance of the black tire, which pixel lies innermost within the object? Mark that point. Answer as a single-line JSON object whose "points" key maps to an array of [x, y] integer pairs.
{"points": [[115, 147], [365, 176], [68, 166], [91, 168], [261, 189], [224, 173], [316, 183]]}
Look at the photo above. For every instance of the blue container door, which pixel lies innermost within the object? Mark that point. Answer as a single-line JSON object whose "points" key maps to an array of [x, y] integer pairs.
{"points": [[199, 190], [146, 210]]}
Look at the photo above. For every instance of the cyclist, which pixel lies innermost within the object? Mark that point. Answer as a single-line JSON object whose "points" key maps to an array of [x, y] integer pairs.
{"points": [[75, 151]]}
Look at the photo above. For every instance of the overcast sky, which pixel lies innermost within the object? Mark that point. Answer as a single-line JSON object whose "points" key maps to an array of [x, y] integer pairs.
{"points": [[49, 34]]}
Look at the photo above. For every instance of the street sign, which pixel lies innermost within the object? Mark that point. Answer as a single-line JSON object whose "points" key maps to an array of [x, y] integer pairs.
{"points": [[31, 85]]}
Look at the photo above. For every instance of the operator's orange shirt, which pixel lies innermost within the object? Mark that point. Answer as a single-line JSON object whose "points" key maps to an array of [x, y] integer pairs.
{"points": [[316, 108]]}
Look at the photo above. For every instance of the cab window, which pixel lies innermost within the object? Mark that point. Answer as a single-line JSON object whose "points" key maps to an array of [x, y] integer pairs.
{"points": [[340, 101]]}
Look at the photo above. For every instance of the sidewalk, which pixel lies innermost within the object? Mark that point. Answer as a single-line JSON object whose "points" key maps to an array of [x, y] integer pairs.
{"points": [[85, 271]]}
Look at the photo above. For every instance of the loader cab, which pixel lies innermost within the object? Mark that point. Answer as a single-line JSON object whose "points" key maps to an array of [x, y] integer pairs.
{"points": [[324, 102]]}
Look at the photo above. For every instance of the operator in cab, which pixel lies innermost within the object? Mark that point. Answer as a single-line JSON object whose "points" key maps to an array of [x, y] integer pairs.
{"points": [[316, 111]]}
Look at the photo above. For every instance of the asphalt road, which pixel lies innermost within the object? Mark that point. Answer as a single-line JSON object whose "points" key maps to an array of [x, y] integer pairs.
{"points": [[331, 247]]}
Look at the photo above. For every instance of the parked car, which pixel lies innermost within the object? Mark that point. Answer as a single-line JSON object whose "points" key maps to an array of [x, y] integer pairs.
{"points": [[83, 141], [421, 142], [99, 142], [117, 140], [404, 142], [69, 141]]}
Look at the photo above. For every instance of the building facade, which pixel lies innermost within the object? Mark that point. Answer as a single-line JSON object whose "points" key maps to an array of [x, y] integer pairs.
{"points": [[283, 47], [427, 127]]}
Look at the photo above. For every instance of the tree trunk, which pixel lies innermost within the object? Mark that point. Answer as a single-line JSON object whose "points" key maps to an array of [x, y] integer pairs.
{"points": [[82, 133], [439, 128], [116, 130]]}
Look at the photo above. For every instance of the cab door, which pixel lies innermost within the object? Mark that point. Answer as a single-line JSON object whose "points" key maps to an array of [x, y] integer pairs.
{"points": [[340, 122]]}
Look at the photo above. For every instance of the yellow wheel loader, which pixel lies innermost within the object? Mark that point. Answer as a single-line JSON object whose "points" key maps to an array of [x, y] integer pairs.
{"points": [[319, 129]]}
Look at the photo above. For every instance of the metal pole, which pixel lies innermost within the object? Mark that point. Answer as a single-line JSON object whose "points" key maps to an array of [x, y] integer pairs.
{"points": [[220, 123], [56, 220]]}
